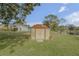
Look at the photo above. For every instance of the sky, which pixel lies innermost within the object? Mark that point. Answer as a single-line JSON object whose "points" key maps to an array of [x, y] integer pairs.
{"points": [[68, 11]]}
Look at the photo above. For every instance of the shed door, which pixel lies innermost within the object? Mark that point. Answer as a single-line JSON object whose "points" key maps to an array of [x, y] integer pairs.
{"points": [[40, 34]]}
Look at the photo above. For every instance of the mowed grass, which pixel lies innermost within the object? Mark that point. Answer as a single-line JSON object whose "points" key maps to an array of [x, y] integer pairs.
{"points": [[19, 44]]}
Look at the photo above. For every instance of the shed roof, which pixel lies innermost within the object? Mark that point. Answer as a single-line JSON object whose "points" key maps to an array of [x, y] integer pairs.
{"points": [[40, 26]]}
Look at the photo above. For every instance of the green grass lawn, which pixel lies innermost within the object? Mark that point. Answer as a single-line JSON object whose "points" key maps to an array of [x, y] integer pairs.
{"points": [[19, 44]]}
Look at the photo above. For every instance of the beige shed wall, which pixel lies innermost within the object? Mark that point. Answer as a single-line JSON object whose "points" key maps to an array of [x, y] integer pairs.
{"points": [[40, 34]]}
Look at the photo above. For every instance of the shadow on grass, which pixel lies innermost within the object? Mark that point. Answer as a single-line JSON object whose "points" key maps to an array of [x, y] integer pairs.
{"points": [[12, 39]]}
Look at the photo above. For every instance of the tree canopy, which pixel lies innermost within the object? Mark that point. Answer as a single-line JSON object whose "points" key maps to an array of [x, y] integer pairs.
{"points": [[15, 11], [51, 21]]}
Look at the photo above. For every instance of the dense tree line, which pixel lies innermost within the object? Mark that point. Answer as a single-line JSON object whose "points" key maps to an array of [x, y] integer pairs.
{"points": [[53, 22]]}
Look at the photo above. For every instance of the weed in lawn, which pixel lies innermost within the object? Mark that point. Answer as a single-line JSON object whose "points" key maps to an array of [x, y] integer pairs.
{"points": [[12, 51]]}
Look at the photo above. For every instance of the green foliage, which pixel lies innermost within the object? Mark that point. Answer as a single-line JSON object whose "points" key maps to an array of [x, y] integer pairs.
{"points": [[71, 27], [19, 21], [15, 11], [61, 29], [73, 30], [52, 21], [8, 12], [14, 29]]}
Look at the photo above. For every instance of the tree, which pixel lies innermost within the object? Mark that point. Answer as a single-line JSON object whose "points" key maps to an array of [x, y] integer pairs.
{"points": [[8, 12], [15, 11], [61, 29], [46, 22], [19, 21], [71, 27], [51, 21]]}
